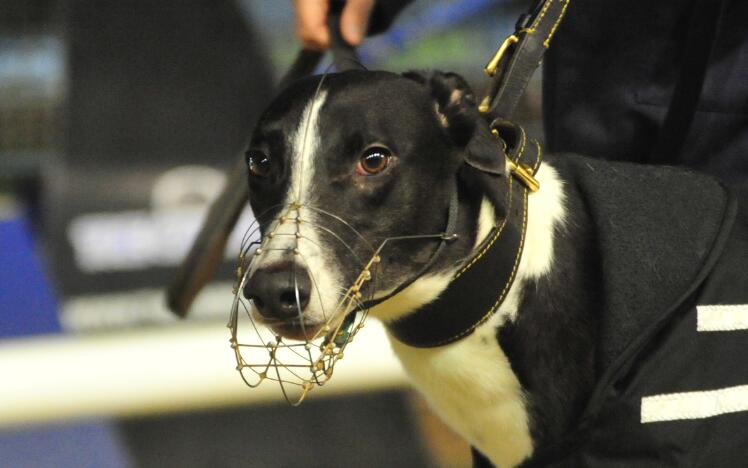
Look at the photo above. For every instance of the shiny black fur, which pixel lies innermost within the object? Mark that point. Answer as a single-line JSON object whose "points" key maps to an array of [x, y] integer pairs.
{"points": [[552, 344]]}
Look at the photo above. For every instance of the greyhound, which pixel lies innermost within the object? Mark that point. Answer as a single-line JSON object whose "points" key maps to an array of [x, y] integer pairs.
{"points": [[546, 326]]}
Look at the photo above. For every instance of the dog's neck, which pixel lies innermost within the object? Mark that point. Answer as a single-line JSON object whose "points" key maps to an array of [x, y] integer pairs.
{"points": [[545, 214], [531, 365], [546, 326]]}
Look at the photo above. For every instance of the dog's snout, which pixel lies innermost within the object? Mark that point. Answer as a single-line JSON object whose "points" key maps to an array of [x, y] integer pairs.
{"points": [[279, 291]]}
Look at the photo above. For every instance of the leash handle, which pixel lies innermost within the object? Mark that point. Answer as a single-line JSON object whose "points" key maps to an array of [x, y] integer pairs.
{"points": [[206, 252], [517, 58], [344, 55]]}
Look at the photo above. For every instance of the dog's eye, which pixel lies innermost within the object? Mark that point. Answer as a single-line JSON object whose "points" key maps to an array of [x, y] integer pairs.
{"points": [[258, 163], [373, 161]]}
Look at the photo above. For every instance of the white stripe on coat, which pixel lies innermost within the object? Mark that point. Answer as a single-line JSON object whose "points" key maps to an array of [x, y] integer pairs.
{"points": [[694, 405], [711, 318]]}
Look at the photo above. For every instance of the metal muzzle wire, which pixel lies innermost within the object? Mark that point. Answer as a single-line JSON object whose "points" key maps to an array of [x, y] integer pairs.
{"points": [[297, 366], [300, 365]]}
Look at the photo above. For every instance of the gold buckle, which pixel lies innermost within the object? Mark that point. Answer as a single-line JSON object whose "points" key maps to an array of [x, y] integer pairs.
{"points": [[524, 173], [493, 64]]}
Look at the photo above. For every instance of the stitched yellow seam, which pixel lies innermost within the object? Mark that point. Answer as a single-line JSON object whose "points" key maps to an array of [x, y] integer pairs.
{"points": [[493, 239], [522, 146], [509, 203], [541, 16], [538, 158], [505, 290], [547, 41]]}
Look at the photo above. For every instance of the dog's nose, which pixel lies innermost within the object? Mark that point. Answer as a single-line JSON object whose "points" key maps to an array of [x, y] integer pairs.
{"points": [[278, 291]]}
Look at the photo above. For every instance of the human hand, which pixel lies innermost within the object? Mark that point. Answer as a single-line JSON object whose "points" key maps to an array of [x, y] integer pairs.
{"points": [[311, 22]]}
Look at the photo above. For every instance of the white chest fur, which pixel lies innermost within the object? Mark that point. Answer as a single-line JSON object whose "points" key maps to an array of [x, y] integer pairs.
{"points": [[471, 386], [470, 383]]}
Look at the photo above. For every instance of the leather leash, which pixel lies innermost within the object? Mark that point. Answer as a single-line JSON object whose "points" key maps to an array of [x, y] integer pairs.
{"points": [[515, 61]]}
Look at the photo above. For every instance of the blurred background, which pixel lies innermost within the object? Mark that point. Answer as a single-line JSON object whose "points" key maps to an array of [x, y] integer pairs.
{"points": [[118, 120]]}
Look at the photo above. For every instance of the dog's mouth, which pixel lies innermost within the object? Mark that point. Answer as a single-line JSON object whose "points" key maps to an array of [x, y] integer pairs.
{"points": [[298, 330]]}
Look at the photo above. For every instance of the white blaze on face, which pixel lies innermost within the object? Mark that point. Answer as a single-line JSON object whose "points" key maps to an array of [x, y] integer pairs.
{"points": [[299, 241], [305, 145]]}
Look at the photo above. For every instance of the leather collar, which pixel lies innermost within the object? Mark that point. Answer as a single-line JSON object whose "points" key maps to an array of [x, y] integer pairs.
{"points": [[479, 288]]}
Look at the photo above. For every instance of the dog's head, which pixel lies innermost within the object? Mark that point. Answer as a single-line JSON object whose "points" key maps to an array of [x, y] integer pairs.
{"points": [[338, 164]]}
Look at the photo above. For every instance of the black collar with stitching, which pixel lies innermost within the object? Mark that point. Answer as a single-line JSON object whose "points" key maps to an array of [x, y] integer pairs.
{"points": [[479, 288]]}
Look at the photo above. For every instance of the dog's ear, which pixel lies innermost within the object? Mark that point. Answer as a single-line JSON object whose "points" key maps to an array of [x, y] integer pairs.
{"points": [[457, 110]]}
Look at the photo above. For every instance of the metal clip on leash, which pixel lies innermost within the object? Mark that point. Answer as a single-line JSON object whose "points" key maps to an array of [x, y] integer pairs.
{"points": [[517, 58], [207, 250], [511, 68]]}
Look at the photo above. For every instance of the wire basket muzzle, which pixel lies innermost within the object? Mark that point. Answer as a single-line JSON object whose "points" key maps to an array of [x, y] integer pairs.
{"points": [[301, 233]]}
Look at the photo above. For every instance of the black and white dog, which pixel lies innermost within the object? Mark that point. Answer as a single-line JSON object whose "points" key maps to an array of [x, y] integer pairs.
{"points": [[592, 355]]}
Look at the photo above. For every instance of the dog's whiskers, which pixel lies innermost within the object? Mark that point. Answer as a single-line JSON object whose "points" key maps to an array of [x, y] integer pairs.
{"points": [[344, 222]]}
